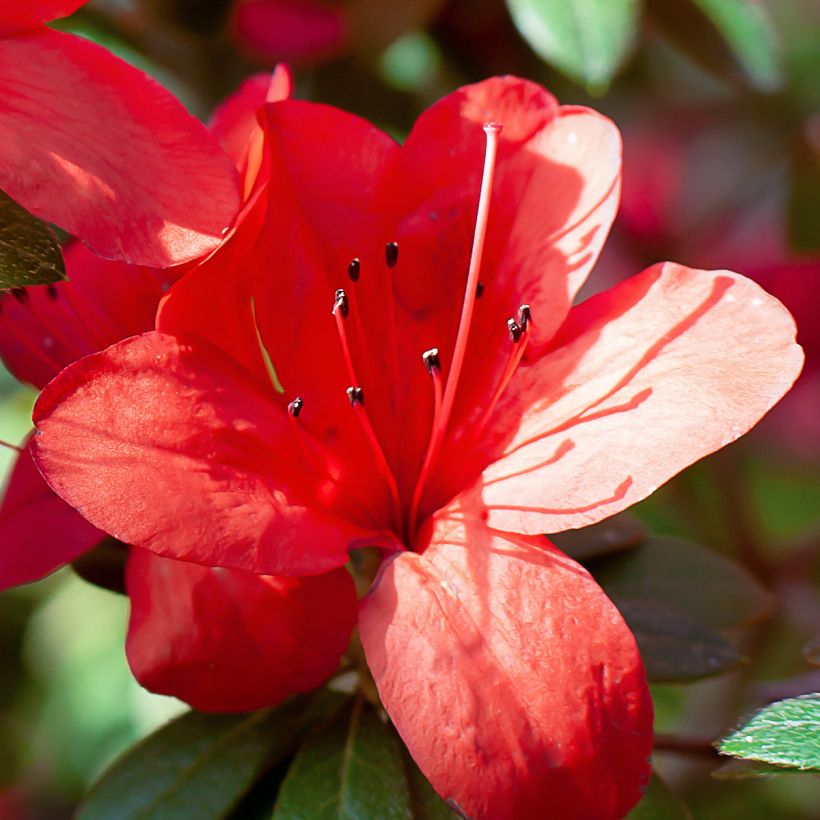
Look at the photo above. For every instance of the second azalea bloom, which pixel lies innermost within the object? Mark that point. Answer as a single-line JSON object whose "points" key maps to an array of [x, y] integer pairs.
{"points": [[387, 355], [75, 123]]}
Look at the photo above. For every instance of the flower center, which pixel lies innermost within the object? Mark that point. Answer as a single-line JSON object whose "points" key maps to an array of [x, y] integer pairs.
{"points": [[406, 521]]}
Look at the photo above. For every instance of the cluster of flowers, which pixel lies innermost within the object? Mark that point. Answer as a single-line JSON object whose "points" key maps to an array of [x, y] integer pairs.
{"points": [[381, 352]]}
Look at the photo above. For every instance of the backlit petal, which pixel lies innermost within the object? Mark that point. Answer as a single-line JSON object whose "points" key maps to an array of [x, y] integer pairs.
{"points": [[225, 640], [105, 152], [171, 447], [39, 532], [512, 679], [643, 380]]}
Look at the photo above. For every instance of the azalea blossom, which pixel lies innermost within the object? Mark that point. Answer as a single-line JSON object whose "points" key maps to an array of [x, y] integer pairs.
{"points": [[75, 122], [386, 354]]}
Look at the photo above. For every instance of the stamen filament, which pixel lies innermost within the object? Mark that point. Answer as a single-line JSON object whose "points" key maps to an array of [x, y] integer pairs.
{"points": [[433, 365], [341, 311], [519, 345], [492, 131], [356, 397]]}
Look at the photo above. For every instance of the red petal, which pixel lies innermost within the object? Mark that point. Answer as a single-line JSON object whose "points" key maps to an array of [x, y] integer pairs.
{"points": [[39, 532], [171, 447], [642, 381], [235, 123], [16, 15], [105, 152], [513, 680], [228, 641], [101, 303]]}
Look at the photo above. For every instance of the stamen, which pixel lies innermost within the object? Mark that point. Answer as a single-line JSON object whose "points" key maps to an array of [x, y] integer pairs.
{"points": [[524, 316], [340, 303], [356, 397], [391, 254], [295, 407], [479, 290], [341, 310], [354, 269], [492, 131], [433, 364], [519, 339], [431, 360]]}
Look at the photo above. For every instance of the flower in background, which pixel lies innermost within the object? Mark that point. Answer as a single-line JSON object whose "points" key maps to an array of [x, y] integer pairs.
{"points": [[367, 363], [101, 149], [313, 31]]}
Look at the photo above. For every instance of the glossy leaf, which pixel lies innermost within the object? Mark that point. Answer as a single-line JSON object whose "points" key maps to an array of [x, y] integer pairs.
{"points": [[199, 765], [738, 769], [784, 734], [731, 38], [350, 769], [616, 534], [659, 802], [674, 646], [706, 585], [29, 251], [585, 39]]}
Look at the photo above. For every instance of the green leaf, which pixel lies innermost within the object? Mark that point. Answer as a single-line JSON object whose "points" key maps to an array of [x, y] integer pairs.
{"points": [[674, 646], [659, 802], [425, 803], [786, 733], [731, 38], [737, 769], [585, 39], [616, 534], [29, 251], [349, 769], [706, 585], [198, 765]]}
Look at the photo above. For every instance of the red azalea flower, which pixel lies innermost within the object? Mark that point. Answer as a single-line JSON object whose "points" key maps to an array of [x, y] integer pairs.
{"points": [[256, 429], [193, 632], [75, 122]]}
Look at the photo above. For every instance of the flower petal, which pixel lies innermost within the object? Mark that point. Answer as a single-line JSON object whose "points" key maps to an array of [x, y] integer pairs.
{"points": [[16, 15], [47, 328], [229, 641], [511, 677], [105, 152], [39, 532], [642, 381], [169, 446]]}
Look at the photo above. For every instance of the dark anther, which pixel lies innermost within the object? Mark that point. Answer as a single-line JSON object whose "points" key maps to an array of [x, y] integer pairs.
{"points": [[431, 360], [355, 395], [295, 407], [479, 290], [340, 303], [52, 292], [515, 330], [524, 316], [21, 295], [354, 269], [391, 254]]}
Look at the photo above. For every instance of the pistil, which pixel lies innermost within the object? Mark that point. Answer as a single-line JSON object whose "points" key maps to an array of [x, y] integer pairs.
{"points": [[471, 293]]}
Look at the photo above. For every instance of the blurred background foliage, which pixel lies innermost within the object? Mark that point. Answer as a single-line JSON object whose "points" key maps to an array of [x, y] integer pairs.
{"points": [[719, 104]]}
